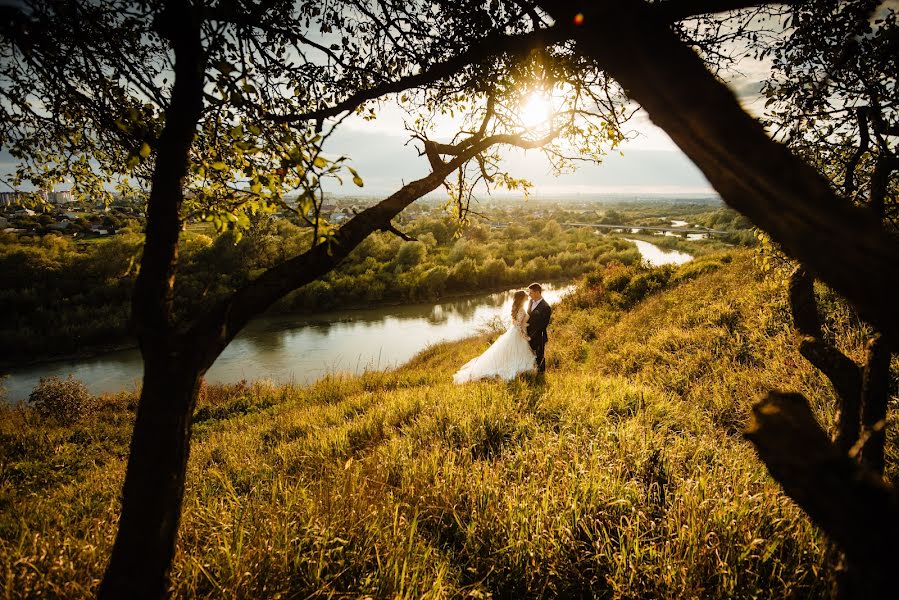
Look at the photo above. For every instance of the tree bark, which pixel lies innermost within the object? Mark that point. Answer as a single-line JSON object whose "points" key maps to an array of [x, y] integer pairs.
{"points": [[154, 483], [850, 503], [843, 373], [157, 463], [875, 396], [847, 247]]}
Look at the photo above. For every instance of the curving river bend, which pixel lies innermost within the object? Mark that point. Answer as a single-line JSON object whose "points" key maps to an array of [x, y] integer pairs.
{"points": [[303, 348]]}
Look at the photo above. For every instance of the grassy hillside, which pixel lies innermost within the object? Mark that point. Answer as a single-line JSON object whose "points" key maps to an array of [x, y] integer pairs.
{"points": [[622, 475]]}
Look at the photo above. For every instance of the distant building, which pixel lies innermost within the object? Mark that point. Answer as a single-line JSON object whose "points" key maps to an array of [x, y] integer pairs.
{"points": [[13, 198], [64, 197], [10, 198]]}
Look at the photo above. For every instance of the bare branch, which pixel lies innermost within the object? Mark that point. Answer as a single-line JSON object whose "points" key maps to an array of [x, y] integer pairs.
{"points": [[843, 373], [679, 10], [217, 328], [845, 246], [474, 54], [861, 114], [390, 228]]}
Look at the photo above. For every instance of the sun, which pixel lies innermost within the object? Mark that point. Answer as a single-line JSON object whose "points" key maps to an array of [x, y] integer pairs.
{"points": [[536, 110]]}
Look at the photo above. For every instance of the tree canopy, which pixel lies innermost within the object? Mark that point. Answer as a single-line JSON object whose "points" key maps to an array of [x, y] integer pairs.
{"points": [[218, 110]]}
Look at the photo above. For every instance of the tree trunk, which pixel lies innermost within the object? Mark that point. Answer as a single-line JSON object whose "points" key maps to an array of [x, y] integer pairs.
{"points": [[154, 483], [852, 504], [875, 397], [844, 246]]}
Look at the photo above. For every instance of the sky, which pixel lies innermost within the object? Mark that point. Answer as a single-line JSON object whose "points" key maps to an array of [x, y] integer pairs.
{"points": [[646, 165], [649, 164]]}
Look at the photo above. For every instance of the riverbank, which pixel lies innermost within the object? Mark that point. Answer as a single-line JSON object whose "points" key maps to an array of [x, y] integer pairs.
{"points": [[300, 348], [101, 350], [622, 475], [66, 300]]}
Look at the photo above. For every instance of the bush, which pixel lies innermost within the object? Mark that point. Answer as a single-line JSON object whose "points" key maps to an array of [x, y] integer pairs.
{"points": [[66, 401]]}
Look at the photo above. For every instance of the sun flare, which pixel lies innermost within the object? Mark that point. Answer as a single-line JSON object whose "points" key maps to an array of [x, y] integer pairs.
{"points": [[535, 111]]}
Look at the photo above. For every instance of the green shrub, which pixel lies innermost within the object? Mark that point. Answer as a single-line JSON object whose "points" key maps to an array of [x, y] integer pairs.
{"points": [[66, 401]]}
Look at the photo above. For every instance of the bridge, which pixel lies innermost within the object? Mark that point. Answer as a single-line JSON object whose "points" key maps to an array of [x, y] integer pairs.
{"points": [[631, 228]]}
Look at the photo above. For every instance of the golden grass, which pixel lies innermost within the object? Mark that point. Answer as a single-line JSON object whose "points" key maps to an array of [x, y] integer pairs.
{"points": [[622, 475]]}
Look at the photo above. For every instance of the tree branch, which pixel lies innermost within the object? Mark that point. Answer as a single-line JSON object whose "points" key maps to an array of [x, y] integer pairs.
{"points": [[489, 47], [680, 10], [209, 336], [850, 503], [843, 373], [803, 305], [875, 396], [847, 247], [884, 167], [390, 228], [861, 114]]}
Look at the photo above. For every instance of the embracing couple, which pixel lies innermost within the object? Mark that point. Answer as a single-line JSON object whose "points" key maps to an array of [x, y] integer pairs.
{"points": [[520, 349]]}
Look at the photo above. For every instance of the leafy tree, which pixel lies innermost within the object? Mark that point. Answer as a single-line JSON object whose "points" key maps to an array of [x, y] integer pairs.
{"points": [[217, 111], [844, 245], [189, 102], [831, 98], [410, 255]]}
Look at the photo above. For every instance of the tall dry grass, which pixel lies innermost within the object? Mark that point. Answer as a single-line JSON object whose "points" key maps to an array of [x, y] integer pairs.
{"points": [[622, 475]]}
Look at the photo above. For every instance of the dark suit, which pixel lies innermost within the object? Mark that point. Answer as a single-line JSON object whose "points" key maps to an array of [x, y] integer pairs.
{"points": [[538, 321]]}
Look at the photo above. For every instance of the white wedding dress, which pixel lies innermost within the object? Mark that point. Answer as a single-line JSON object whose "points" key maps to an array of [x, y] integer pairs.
{"points": [[508, 356]]}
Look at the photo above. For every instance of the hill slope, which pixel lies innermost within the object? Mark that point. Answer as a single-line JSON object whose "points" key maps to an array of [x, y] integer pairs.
{"points": [[622, 475]]}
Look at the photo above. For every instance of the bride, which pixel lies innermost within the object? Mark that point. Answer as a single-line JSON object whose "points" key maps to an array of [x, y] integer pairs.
{"points": [[509, 355]]}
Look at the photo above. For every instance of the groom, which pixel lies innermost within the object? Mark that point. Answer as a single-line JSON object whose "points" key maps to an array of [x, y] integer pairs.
{"points": [[539, 314]]}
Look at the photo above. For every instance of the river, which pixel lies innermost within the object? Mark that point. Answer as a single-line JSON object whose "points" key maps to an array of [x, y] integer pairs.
{"points": [[303, 348], [656, 256]]}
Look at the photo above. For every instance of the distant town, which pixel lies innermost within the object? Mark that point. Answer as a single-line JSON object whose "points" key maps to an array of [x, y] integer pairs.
{"points": [[61, 213]]}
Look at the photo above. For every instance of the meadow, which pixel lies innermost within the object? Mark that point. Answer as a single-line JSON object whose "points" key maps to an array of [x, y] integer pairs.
{"points": [[623, 474]]}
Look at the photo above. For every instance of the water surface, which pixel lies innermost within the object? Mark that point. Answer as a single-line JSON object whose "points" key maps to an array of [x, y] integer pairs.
{"points": [[656, 256], [303, 348]]}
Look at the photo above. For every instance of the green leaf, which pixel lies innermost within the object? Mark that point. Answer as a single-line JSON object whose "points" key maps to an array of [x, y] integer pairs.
{"points": [[144, 150], [320, 162], [356, 179], [219, 165]]}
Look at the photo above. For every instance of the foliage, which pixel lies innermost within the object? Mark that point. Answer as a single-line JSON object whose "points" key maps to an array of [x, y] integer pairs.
{"points": [[66, 401], [831, 94], [63, 296], [623, 475], [66, 297]]}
